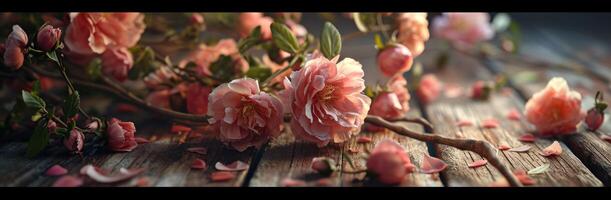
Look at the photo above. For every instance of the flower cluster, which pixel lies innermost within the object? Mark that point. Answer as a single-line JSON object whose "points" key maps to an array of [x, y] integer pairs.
{"points": [[464, 30]]}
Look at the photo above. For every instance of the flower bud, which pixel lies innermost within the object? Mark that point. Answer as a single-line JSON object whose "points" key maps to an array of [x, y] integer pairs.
{"points": [[47, 37], [395, 59], [596, 115], [481, 90], [196, 19], [323, 165], [52, 126], [14, 47], [74, 142]]}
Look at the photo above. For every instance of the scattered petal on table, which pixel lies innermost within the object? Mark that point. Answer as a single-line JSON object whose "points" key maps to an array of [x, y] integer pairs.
{"points": [[432, 165], [552, 150], [198, 164], [523, 177], [540, 169], [504, 146], [235, 166], [289, 182], [513, 114], [527, 138], [68, 181], [464, 122], [490, 123], [123, 174], [222, 176], [478, 163], [520, 149], [198, 150], [364, 139], [56, 170]]}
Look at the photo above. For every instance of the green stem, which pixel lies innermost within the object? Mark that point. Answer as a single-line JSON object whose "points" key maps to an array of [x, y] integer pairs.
{"points": [[277, 73], [71, 89]]}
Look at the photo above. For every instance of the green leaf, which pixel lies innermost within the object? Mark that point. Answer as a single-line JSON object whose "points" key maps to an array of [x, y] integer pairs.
{"points": [[259, 73], [144, 62], [53, 56], [39, 139], [71, 105], [538, 170], [252, 40], [330, 41], [222, 68], [284, 38], [32, 101], [36, 88], [94, 68], [378, 41]]}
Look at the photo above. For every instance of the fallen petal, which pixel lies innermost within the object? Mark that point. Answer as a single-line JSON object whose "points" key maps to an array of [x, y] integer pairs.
{"points": [[198, 150], [453, 91], [142, 182], [504, 147], [68, 181], [432, 165], [527, 138], [464, 122], [513, 115], [56, 170], [221, 176], [490, 123], [478, 163], [606, 138], [235, 166], [198, 164], [123, 174], [540, 169], [289, 182], [364, 139], [552, 150], [141, 140], [523, 177], [324, 182], [180, 129], [520, 149]]}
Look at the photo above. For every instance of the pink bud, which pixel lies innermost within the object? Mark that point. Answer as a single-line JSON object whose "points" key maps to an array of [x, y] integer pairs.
{"points": [[94, 125], [196, 19], [395, 59], [594, 119], [14, 47], [47, 37], [52, 126], [74, 142], [481, 90]]}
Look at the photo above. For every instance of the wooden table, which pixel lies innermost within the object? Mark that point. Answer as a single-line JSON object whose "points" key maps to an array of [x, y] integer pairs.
{"points": [[586, 160]]}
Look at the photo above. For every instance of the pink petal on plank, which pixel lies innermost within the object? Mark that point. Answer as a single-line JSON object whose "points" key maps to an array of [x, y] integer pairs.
{"points": [[520, 149], [235, 166], [527, 138], [523, 177], [490, 123], [123, 174], [141, 140], [142, 182], [478, 163], [353, 150], [289, 182], [464, 122], [552, 150], [222, 176], [364, 139], [432, 165], [198, 150], [453, 91], [56, 170], [68, 181], [504, 146], [180, 129], [126, 108], [460, 134], [198, 164], [513, 114], [324, 182], [605, 138]]}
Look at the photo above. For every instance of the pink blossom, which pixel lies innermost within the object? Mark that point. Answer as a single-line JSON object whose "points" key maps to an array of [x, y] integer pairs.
{"points": [[398, 85], [160, 76], [205, 55], [326, 101], [248, 21], [243, 114], [385, 105], [463, 29], [413, 31], [14, 47], [197, 98], [323, 165], [429, 88], [47, 37], [159, 98], [389, 162], [555, 109], [74, 142], [395, 59], [121, 135], [196, 19], [117, 62]]}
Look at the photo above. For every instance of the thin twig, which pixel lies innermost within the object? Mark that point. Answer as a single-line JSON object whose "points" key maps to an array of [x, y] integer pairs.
{"points": [[418, 120]]}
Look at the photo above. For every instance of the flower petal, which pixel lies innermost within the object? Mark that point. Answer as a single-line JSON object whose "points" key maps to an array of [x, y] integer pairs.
{"points": [[552, 150], [364, 139], [432, 165], [198, 150], [123, 174], [523, 177], [527, 138], [56, 170], [490, 123], [513, 114], [520, 149], [68, 181], [235, 166], [198, 164], [464, 122], [221, 176], [289, 182], [478, 163], [504, 146]]}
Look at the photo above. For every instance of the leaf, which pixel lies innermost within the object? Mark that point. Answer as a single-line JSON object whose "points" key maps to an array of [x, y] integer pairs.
{"points": [[516, 35], [39, 139], [94, 68], [284, 38], [71, 105], [32, 101], [378, 41], [144, 62], [36, 88], [248, 42], [538, 170], [259, 73], [53, 56], [222, 69], [501, 22], [234, 166], [330, 41]]}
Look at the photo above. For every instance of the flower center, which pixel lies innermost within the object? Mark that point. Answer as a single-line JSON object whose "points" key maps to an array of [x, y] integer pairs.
{"points": [[327, 93], [248, 110]]}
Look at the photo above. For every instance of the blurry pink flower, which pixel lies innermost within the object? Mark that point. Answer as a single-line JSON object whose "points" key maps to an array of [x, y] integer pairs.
{"points": [[14, 47], [205, 55], [389, 162], [413, 31], [298, 30], [197, 98], [481, 90], [244, 115], [395, 59], [463, 29], [326, 101], [160, 76], [159, 98], [248, 21], [385, 105], [429, 88], [196, 19], [94, 33], [121, 135], [47, 37], [74, 142], [117, 62], [555, 109], [398, 85]]}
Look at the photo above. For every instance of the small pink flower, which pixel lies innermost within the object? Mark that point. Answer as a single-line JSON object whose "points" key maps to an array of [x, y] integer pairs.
{"points": [[243, 114], [47, 37], [196, 19], [74, 142], [117, 62], [555, 109], [14, 48], [160, 76], [197, 98], [596, 115], [121, 135], [429, 88], [394, 60], [385, 105], [205, 55], [326, 100], [464, 30], [248, 21], [52, 126], [159, 98], [413, 31], [389, 162]]}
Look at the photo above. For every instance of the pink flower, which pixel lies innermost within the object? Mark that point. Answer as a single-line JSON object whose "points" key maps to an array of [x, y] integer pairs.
{"points": [[390, 104], [326, 101], [555, 109], [197, 98], [398, 85], [117, 62], [413, 31], [47, 37], [244, 115], [121, 135], [596, 115], [481, 90], [196, 19], [463, 29], [429, 88], [159, 98], [74, 142], [205, 55], [394, 60], [248, 21], [14, 47], [389, 162], [160, 76], [90, 33]]}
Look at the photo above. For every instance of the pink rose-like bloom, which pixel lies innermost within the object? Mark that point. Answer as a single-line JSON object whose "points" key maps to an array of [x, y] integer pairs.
{"points": [[117, 62], [389, 162], [243, 114], [205, 55], [14, 47], [326, 101], [463, 29], [429, 88], [47, 37], [94, 33], [385, 105], [121, 135], [398, 85], [197, 98], [555, 109], [394, 60], [413, 31], [248, 21], [74, 142]]}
